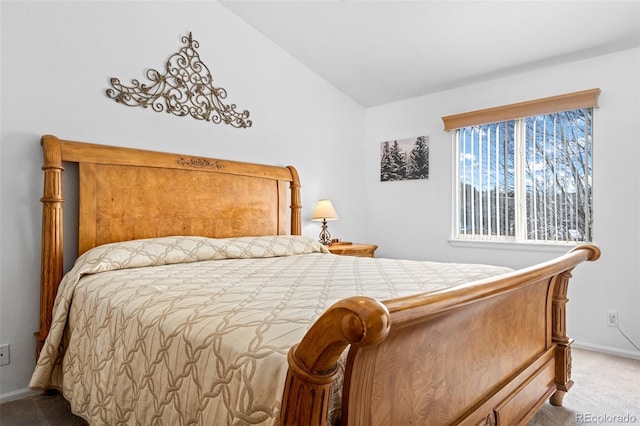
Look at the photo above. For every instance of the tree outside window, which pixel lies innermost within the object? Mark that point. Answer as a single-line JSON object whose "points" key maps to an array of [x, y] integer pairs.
{"points": [[527, 179]]}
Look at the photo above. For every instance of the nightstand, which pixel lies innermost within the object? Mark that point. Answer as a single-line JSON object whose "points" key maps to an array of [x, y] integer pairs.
{"points": [[353, 249]]}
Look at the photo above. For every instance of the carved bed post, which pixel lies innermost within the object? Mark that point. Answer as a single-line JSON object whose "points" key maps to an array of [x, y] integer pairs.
{"points": [[559, 329], [296, 207], [559, 337], [313, 365], [51, 262]]}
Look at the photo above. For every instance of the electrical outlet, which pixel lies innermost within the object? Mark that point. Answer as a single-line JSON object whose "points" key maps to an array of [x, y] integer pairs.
{"points": [[612, 318], [4, 354]]}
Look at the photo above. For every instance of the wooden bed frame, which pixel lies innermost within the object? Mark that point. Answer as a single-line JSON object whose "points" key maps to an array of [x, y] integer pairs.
{"points": [[490, 352]]}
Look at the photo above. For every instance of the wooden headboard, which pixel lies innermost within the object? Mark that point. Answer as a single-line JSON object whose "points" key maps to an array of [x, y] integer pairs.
{"points": [[127, 194]]}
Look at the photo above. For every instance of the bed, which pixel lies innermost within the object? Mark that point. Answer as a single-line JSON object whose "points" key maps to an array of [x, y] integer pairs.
{"points": [[196, 300]]}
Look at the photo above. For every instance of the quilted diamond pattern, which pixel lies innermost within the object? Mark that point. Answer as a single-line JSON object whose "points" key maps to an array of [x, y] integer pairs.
{"points": [[189, 330]]}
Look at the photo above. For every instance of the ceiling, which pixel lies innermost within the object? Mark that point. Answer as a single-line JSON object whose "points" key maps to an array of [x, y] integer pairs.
{"points": [[383, 51]]}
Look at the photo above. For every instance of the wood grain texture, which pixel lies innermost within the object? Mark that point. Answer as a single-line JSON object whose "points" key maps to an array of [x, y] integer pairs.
{"points": [[435, 369], [353, 249], [52, 252], [358, 321], [135, 203], [566, 102]]}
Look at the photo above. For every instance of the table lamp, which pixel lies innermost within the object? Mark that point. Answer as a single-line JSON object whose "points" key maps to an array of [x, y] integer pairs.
{"points": [[324, 211]]}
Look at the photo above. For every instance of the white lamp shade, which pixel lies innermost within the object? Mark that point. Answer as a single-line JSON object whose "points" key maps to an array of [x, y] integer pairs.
{"points": [[324, 211]]}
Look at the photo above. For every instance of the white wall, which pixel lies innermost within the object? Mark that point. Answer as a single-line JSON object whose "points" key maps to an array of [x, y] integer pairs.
{"points": [[412, 219], [57, 58]]}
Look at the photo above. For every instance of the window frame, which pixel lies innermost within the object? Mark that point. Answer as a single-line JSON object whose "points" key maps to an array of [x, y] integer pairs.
{"points": [[517, 112]]}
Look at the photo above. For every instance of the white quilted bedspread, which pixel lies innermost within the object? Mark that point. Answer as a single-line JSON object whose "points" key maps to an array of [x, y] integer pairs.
{"points": [[190, 330]]}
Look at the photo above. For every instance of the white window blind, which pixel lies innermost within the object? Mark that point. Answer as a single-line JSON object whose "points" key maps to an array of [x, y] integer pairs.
{"points": [[526, 179]]}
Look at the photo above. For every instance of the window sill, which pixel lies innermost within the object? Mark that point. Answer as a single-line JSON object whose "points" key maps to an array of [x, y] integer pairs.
{"points": [[512, 245]]}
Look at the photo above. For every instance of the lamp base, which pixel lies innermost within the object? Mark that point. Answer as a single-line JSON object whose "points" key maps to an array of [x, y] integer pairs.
{"points": [[325, 236]]}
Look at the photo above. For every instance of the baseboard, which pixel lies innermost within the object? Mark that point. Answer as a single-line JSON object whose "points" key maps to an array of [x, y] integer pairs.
{"points": [[606, 349], [18, 394]]}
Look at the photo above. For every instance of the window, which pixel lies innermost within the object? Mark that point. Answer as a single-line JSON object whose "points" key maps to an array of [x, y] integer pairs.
{"points": [[525, 179]]}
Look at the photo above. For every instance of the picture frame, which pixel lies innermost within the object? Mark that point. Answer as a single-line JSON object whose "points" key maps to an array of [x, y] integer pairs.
{"points": [[404, 159]]}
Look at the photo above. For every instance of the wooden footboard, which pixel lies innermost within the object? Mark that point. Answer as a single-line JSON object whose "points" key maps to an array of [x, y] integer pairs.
{"points": [[490, 352]]}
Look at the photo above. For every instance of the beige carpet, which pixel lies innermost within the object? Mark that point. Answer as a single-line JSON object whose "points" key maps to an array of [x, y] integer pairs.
{"points": [[606, 392]]}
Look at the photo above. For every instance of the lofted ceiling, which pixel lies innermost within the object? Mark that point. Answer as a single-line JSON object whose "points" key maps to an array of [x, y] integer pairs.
{"points": [[378, 52]]}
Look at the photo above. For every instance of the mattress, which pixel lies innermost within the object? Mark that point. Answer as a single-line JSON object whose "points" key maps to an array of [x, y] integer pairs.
{"points": [[191, 330]]}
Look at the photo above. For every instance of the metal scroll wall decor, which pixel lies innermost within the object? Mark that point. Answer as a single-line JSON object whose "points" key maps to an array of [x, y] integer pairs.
{"points": [[186, 88]]}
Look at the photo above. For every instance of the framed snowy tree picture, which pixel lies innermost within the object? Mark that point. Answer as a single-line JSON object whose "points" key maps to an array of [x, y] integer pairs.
{"points": [[404, 159]]}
